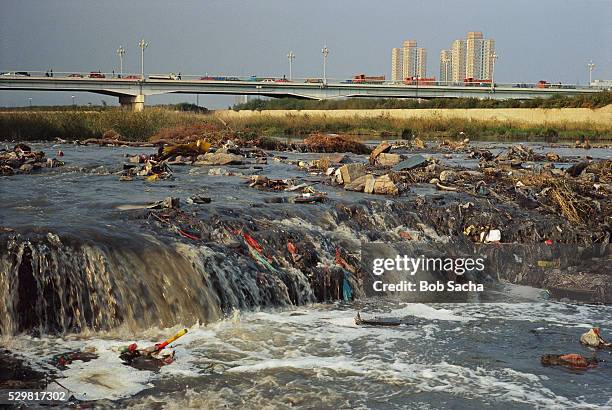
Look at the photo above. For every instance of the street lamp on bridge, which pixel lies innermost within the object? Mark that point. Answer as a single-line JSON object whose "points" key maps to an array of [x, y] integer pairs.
{"points": [[591, 67], [494, 57], [121, 53], [142, 44], [291, 57], [325, 52]]}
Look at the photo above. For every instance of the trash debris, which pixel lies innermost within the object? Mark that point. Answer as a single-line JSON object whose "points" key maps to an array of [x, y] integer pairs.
{"points": [[152, 357], [192, 149], [593, 338], [169, 202], [334, 143], [493, 236], [62, 360], [309, 198], [198, 199], [572, 360], [22, 160], [376, 321]]}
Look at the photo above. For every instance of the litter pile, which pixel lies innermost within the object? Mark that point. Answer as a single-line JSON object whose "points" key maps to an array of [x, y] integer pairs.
{"points": [[334, 143], [22, 160], [578, 362]]}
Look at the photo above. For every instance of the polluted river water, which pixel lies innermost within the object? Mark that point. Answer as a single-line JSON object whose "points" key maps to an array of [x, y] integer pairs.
{"points": [[258, 340]]}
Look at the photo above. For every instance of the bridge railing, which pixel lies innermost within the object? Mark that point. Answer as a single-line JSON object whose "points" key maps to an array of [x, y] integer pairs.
{"points": [[263, 80]]}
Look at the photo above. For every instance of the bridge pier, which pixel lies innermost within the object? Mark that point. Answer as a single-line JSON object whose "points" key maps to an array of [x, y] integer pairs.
{"points": [[132, 102]]}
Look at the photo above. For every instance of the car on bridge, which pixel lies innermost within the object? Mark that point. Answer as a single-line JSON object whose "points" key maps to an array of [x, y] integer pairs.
{"points": [[16, 74], [75, 75], [96, 74], [131, 77]]}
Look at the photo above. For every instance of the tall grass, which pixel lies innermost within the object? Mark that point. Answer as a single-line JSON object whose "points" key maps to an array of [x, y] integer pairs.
{"points": [[141, 126]]}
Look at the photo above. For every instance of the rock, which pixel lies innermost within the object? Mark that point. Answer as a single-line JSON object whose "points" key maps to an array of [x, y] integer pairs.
{"points": [[369, 186], [388, 160], [360, 183], [551, 156], [381, 148], [198, 199], [414, 161], [447, 176], [577, 169], [385, 186], [219, 158], [351, 172], [27, 168], [434, 181]]}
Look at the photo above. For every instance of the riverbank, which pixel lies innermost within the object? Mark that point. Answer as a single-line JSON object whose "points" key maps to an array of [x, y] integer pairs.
{"points": [[511, 124]]}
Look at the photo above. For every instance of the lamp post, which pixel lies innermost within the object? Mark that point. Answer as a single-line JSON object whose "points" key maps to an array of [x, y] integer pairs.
{"points": [[325, 52], [142, 44], [291, 57], [591, 66], [121, 53], [73, 102], [494, 57]]}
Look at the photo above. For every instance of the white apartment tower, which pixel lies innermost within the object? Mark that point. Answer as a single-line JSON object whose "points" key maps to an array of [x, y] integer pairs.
{"points": [[446, 66], [408, 61], [471, 58]]}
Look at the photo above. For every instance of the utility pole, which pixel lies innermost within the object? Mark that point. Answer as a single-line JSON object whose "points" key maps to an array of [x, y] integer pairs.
{"points": [[291, 57], [121, 53], [325, 52], [591, 67], [142, 44]]}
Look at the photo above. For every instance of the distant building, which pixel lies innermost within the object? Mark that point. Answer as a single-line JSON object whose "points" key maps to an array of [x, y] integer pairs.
{"points": [[421, 63], [446, 66], [408, 61], [470, 58], [396, 64]]}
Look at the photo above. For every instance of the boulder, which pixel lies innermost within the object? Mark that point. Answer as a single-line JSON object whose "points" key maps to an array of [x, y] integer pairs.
{"points": [[388, 160], [361, 183], [385, 186], [351, 172], [219, 158], [381, 148]]}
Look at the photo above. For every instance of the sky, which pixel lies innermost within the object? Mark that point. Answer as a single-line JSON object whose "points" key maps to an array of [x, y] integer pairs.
{"points": [[549, 40]]}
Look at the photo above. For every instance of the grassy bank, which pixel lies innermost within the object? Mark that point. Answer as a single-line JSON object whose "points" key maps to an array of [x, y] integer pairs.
{"points": [[582, 101], [70, 125]]}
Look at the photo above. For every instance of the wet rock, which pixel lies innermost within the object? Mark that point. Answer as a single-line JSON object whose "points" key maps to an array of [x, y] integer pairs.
{"points": [[219, 158], [388, 160], [381, 148], [577, 169], [415, 161], [198, 199], [351, 172], [361, 183], [384, 185]]}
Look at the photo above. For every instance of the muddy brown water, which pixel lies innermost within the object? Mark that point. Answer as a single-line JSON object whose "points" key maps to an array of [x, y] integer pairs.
{"points": [[249, 345]]}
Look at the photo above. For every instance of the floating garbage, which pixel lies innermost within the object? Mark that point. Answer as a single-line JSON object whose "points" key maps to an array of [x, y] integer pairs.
{"points": [[572, 360], [593, 338], [151, 357], [376, 321]]}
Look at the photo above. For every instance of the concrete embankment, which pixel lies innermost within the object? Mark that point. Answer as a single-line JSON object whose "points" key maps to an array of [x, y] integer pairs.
{"points": [[600, 118]]}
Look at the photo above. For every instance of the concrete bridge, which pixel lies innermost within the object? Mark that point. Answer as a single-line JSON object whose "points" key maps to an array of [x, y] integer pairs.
{"points": [[131, 90]]}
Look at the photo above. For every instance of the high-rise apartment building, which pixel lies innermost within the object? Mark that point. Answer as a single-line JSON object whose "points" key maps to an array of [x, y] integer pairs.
{"points": [[458, 60], [470, 58], [446, 66], [396, 64], [421, 63], [409, 58], [408, 61]]}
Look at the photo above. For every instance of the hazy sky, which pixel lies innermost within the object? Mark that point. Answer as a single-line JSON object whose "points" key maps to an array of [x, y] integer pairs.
{"points": [[535, 39]]}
